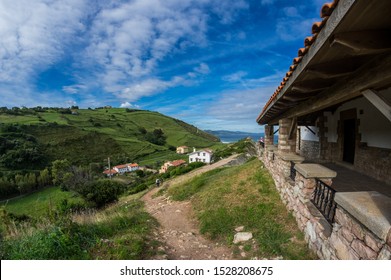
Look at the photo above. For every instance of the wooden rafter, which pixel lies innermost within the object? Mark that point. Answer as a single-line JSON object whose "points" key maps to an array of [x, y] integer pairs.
{"points": [[376, 73], [379, 102], [364, 42], [335, 69], [292, 128]]}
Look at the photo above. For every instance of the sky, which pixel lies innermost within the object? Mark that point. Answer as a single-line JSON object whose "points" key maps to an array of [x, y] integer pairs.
{"points": [[211, 63]]}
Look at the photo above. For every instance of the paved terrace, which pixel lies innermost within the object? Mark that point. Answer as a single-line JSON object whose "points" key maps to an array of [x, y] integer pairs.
{"points": [[348, 180]]}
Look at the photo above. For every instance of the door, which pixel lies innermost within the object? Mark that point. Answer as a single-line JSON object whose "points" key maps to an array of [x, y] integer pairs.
{"points": [[349, 142]]}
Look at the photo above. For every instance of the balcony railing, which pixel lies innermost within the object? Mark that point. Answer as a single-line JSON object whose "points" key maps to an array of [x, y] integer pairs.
{"points": [[323, 199], [293, 171]]}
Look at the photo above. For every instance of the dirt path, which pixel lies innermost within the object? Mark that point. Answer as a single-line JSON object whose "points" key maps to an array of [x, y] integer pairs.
{"points": [[178, 231]]}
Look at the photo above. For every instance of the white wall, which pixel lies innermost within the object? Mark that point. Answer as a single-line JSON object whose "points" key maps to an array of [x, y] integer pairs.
{"points": [[307, 135], [202, 158], [374, 127]]}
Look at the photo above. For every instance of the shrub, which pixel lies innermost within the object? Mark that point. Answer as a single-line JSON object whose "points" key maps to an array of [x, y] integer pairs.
{"points": [[100, 192]]}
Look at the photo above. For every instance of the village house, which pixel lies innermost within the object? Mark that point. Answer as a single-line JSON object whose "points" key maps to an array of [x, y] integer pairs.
{"points": [[182, 150], [204, 155], [110, 172], [332, 161], [174, 163], [124, 168]]}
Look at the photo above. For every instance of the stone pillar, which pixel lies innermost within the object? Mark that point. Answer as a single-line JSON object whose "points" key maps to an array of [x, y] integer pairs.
{"points": [[269, 135], [286, 144]]}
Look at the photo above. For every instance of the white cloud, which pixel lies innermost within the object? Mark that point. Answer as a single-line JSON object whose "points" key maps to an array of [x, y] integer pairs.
{"points": [[290, 29], [235, 77], [130, 39], [34, 34], [128, 105], [203, 69], [74, 89], [148, 87]]}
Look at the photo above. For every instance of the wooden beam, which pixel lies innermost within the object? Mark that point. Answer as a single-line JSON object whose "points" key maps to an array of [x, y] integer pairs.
{"points": [[363, 42], [336, 69], [292, 128], [379, 102], [374, 74], [313, 132]]}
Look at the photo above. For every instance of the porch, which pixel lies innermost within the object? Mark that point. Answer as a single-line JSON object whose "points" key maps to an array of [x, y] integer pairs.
{"points": [[348, 180]]}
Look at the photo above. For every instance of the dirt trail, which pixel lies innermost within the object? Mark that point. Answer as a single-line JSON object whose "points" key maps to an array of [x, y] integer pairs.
{"points": [[178, 231]]}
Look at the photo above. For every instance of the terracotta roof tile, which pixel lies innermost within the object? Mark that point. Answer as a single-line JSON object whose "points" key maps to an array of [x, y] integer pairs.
{"points": [[293, 67], [178, 162], [303, 51], [309, 40], [297, 60], [327, 9]]}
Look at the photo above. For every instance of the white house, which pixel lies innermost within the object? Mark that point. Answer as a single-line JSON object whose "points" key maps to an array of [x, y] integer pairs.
{"points": [[201, 156], [123, 168]]}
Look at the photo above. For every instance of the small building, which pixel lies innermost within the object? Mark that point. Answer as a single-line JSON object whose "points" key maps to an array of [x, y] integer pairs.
{"points": [[168, 164], [133, 167], [182, 150], [110, 172], [204, 155], [124, 168]]}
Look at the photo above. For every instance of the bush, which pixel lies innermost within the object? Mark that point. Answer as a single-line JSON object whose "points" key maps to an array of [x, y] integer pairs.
{"points": [[101, 192]]}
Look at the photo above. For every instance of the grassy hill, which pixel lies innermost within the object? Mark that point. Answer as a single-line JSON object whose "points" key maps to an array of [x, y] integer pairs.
{"points": [[93, 135]]}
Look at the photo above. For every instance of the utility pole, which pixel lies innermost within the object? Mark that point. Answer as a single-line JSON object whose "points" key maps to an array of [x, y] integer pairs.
{"points": [[111, 175]]}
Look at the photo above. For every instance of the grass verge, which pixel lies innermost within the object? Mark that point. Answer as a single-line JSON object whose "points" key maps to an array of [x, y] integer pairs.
{"points": [[227, 198], [121, 231]]}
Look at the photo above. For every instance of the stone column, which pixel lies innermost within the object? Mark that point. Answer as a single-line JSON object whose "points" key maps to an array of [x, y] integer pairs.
{"points": [[286, 145], [269, 135]]}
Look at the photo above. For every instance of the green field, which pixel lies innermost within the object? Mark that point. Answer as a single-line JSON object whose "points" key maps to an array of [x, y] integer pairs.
{"points": [[94, 135], [40, 203]]}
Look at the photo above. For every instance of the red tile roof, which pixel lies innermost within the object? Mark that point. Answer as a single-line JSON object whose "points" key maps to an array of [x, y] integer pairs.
{"points": [[121, 166], [325, 12], [112, 171], [133, 165], [178, 162]]}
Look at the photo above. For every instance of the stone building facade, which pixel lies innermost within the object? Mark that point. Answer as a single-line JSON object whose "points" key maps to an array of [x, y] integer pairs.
{"points": [[333, 107]]}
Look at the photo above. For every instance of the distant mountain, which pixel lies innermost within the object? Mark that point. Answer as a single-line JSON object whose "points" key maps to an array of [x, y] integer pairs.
{"points": [[233, 136]]}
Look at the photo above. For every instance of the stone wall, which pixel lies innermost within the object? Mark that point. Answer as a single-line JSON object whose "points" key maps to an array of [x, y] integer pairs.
{"points": [[347, 238], [310, 149], [375, 162]]}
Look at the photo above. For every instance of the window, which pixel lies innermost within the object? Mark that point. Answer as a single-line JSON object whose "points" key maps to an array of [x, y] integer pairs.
{"points": [[198, 154], [204, 154], [204, 160]]}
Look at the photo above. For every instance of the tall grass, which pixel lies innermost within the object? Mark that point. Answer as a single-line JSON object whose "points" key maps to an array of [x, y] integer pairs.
{"points": [[119, 232], [244, 196]]}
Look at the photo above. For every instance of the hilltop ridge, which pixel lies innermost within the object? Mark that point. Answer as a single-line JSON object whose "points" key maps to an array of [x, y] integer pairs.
{"points": [[85, 136]]}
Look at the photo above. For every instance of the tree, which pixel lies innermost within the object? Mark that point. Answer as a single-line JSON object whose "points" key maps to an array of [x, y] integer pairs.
{"points": [[60, 171], [100, 192], [156, 137], [44, 178]]}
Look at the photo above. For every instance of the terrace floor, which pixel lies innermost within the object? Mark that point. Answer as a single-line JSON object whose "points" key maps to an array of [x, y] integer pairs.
{"points": [[348, 180]]}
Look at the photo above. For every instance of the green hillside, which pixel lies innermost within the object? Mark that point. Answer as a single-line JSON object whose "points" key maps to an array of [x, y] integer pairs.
{"points": [[90, 136]]}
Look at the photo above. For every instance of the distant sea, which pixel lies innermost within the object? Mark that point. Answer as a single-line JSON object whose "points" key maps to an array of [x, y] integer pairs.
{"points": [[227, 136], [233, 136]]}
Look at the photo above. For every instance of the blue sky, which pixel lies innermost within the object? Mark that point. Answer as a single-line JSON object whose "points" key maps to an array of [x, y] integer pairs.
{"points": [[212, 63]]}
